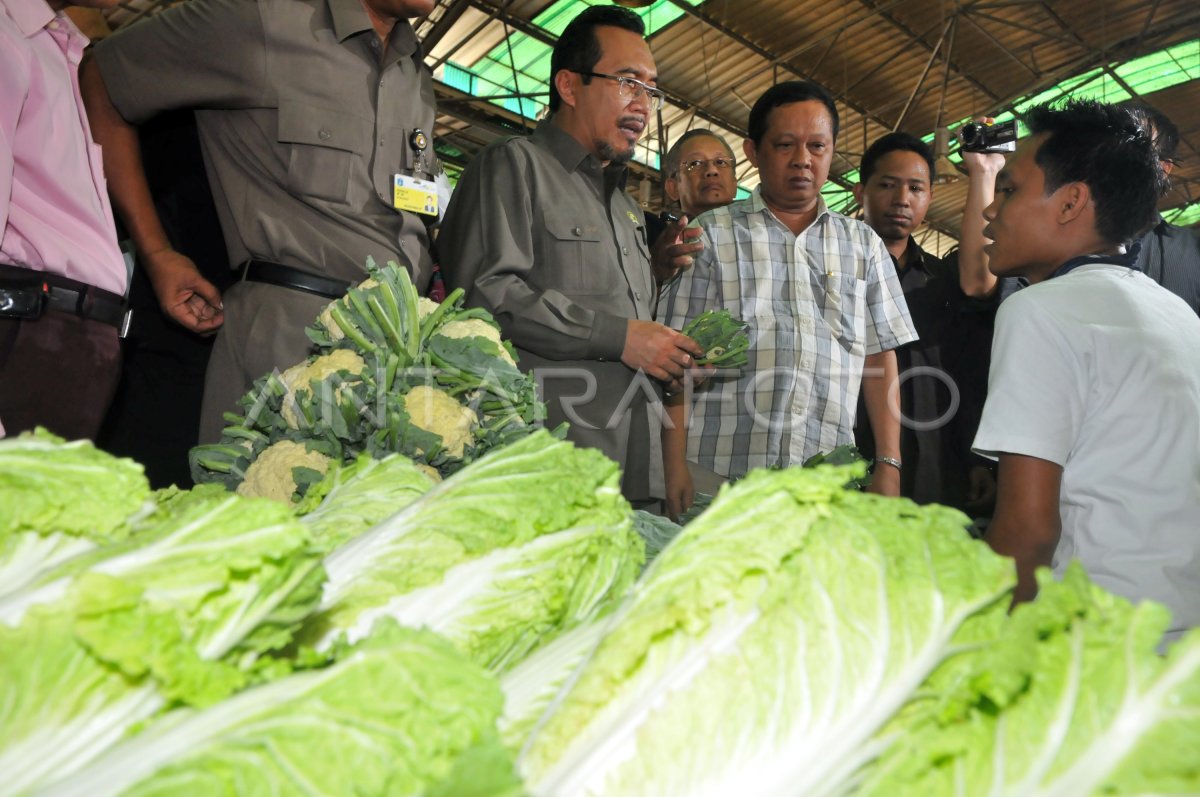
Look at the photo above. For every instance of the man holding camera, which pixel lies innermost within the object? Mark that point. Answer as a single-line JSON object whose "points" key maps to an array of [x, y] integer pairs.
{"points": [[1093, 407]]}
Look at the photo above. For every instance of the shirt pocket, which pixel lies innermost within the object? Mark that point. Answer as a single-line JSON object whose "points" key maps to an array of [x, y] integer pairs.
{"points": [[320, 146], [578, 260], [844, 307]]}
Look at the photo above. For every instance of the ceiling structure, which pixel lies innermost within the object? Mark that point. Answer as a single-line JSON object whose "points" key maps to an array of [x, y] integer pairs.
{"points": [[910, 65]]}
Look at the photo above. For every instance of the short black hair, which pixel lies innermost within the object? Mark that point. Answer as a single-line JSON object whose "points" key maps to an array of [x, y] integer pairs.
{"points": [[893, 142], [785, 94], [1108, 148], [671, 164], [1166, 134], [578, 49]]}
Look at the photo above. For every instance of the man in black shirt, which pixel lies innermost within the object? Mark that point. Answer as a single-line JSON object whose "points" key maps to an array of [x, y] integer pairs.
{"points": [[943, 376]]}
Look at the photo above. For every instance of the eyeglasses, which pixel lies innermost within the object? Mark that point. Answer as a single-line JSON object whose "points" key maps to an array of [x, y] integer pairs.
{"points": [[630, 88], [720, 164]]}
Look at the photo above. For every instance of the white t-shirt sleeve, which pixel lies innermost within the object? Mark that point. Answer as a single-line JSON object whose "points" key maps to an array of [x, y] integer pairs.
{"points": [[1036, 387]]}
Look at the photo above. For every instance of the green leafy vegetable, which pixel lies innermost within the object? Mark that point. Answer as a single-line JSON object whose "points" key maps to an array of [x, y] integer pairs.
{"points": [[355, 497], [1071, 698], [500, 557], [60, 500], [402, 713], [722, 337], [764, 648]]}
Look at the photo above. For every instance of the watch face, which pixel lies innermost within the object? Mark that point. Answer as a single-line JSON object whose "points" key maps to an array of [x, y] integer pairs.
{"points": [[418, 140]]}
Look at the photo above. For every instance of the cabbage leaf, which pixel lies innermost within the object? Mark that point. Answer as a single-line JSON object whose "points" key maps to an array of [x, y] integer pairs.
{"points": [[767, 644], [521, 544], [401, 713]]}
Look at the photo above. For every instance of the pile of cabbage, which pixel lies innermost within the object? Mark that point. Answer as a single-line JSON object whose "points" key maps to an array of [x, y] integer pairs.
{"points": [[390, 373], [496, 634]]}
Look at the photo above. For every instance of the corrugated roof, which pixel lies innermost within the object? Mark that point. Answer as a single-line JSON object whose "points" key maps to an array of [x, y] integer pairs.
{"points": [[885, 60]]}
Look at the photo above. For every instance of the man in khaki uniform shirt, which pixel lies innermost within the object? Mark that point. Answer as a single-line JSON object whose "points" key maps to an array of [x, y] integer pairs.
{"points": [[307, 109], [542, 234]]}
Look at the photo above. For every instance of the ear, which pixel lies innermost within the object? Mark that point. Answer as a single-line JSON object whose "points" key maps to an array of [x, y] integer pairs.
{"points": [[564, 81], [751, 151], [857, 189], [671, 186], [1073, 201]]}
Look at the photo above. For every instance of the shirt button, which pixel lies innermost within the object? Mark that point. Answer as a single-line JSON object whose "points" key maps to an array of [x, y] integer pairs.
{"points": [[637, 296], [381, 84], [324, 134], [578, 231], [625, 251]]}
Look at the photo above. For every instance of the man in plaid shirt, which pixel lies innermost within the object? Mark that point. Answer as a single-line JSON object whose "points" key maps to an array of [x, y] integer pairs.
{"points": [[823, 302]]}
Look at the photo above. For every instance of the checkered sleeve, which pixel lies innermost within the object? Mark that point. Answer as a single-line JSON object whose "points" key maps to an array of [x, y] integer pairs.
{"points": [[889, 324], [696, 290]]}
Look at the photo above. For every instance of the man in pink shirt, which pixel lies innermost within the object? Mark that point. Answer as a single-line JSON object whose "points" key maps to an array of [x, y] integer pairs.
{"points": [[62, 275]]}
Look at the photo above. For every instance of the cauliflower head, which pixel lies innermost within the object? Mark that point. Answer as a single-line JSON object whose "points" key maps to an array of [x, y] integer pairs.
{"points": [[299, 377], [270, 476], [425, 307], [440, 413], [325, 317], [476, 327]]}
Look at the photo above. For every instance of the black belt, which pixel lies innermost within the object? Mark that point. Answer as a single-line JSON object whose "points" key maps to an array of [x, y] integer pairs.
{"points": [[70, 296], [294, 278]]}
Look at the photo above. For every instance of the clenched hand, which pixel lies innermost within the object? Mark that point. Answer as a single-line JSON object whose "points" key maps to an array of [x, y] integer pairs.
{"points": [[184, 295]]}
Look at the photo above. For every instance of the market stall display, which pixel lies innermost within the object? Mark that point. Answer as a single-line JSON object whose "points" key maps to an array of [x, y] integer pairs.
{"points": [[435, 596], [796, 638]]}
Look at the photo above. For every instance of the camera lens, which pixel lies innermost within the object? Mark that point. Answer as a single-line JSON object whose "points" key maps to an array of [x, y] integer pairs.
{"points": [[971, 133]]}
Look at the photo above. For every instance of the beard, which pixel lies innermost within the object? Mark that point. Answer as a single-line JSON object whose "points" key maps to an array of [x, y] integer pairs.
{"points": [[607, 152]]}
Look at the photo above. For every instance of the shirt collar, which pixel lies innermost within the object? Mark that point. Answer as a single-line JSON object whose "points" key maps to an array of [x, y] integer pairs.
{"points": [[759, 205], [917, 257], [570, 153], [1128, 260], [31, 16], [350, 19]]}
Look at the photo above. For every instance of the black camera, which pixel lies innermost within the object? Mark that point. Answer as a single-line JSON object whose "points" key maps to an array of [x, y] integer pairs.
{"points": [[978, 137]]}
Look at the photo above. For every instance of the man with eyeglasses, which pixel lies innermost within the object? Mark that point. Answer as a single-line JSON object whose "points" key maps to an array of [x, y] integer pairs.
{"points": [[700, 176], [542, 234], [700, 172]]}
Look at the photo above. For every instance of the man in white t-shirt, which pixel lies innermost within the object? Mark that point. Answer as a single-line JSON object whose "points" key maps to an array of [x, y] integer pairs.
{"points": [[1093, 405]]}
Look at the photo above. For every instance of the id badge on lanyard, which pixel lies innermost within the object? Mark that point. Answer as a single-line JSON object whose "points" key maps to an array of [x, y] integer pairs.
{"points": [[410, 193]]}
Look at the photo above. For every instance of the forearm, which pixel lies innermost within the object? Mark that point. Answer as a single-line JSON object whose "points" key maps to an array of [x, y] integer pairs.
{"points": [[883, 411], [674, 431], [122, 165], [1027, 525], [973, 273], [547, 322]]}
